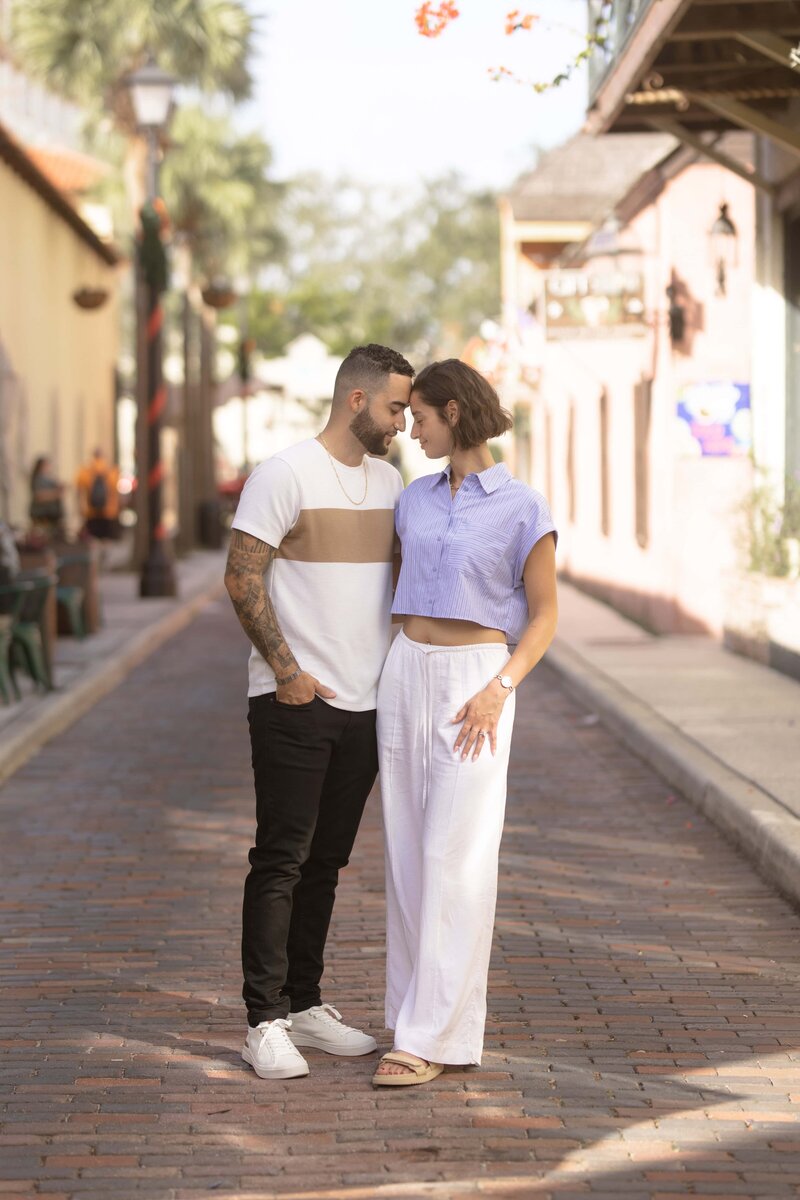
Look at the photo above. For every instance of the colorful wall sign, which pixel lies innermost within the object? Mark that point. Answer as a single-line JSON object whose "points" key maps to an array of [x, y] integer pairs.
{"points": [[714, 419]]}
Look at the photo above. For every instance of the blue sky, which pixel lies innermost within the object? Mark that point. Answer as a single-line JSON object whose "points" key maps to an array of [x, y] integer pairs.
{"points": [[350, 87]]}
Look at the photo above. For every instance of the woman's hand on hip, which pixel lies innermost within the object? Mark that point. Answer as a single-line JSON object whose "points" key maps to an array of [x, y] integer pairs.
{"points": [[480, 717]]}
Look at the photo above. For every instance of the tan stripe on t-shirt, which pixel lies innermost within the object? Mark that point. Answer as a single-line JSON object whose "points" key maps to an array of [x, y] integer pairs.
{"points": [[340, 535]]}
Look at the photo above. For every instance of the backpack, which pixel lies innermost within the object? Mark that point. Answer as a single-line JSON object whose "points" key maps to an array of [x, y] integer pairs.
{"points": [[98, 492]]}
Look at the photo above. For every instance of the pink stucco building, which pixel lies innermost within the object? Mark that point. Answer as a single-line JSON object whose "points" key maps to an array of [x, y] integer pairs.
{"points": [[630, 365]]}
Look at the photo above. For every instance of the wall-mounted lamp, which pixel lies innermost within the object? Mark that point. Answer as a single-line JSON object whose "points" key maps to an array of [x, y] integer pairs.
{"points": [[724, 239]]}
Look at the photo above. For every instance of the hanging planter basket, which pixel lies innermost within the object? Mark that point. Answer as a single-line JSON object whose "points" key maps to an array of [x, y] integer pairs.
{"points": [[89, 298], [219, 294]]}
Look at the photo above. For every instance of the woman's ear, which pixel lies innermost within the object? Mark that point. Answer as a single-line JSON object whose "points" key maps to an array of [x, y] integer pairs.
{"points": [[451, 411]]}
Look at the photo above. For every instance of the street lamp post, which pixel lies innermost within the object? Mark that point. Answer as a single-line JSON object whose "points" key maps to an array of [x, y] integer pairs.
{"points": [[151, 91]]}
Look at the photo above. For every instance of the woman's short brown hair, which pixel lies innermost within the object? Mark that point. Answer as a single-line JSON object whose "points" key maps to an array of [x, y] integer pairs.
{"points": [[480, 413]]}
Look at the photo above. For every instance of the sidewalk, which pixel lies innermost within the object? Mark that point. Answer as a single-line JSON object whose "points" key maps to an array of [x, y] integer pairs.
{"points": [[87, 670], [723, 730]]}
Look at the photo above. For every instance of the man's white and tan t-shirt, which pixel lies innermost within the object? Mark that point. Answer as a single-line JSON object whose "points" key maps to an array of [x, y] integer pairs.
{"points": [[331, 579]]}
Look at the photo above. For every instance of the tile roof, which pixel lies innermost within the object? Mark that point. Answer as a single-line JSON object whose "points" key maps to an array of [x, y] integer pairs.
{"points": [[19, 160], [67, 170], [583, 179]]}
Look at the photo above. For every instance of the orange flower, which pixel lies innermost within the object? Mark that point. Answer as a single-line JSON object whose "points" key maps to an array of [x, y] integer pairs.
{"points": [[163, 215], [514, 21], [498, 73], [432, 21]]}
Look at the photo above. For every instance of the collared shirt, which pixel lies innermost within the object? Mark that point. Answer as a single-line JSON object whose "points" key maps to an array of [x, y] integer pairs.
{"points": [[463, 556]]}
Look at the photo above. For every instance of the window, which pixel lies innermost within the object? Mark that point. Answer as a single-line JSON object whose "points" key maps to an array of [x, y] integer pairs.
{"points": [[571, 498], [605, 479], [642, 401]]}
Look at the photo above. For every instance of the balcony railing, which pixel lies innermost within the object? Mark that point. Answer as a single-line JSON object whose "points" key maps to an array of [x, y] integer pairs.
{"points": [[614, 21]]}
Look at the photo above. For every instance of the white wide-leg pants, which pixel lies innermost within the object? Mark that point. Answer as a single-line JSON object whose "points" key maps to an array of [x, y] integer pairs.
{"points": [[443, 819]]}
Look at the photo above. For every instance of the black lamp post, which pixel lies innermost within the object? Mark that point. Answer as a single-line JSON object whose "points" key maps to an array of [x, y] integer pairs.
{"points": [[151, 93]]}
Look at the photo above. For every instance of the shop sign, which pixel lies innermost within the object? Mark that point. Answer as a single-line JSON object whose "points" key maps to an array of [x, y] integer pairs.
{"points": [[714, 419], [597, 304]]}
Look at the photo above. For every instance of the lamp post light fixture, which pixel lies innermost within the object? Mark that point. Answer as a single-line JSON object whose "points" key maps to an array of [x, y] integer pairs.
{"points": [[151, 94], [724, 239]]}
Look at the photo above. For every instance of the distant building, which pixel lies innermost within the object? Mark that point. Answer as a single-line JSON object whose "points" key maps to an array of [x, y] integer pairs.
{"points": [[58, 290], [631, 360], [58, 330], [699, 72], [287, 399]]}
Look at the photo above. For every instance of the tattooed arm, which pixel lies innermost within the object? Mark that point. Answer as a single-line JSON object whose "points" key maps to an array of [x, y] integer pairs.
{"points": [[248, 559]]}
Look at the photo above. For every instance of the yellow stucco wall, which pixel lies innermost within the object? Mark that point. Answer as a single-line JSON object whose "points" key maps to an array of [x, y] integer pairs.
{"points": [[56, 360]]}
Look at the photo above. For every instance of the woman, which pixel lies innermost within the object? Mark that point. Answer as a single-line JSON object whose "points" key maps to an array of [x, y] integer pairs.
{"points": [[478, 571], [47, 507]]}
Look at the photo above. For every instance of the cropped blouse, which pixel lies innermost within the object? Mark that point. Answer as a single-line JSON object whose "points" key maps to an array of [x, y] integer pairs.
{"points": [[463, 557]]}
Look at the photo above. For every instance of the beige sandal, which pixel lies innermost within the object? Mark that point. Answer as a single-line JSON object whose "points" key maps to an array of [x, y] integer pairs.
{"points": [[419, 1071]]}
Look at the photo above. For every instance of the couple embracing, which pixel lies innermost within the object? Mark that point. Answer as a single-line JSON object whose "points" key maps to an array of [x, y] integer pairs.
{"points": [[326, 544]]}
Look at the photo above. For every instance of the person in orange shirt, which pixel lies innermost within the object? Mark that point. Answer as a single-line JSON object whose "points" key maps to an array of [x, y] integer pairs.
{"points": [[98, 496]]}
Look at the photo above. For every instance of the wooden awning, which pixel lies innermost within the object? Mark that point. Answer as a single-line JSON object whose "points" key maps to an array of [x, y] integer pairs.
{"points": [[690, 67]]}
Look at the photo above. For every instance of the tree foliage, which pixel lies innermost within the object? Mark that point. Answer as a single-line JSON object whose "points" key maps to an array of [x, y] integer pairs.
{"points": [[364, 264], [214, 178], [83, 48], [219, 196]]}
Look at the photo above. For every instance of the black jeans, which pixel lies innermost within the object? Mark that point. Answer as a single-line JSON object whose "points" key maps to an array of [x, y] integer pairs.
{"points": [[314, 767]]}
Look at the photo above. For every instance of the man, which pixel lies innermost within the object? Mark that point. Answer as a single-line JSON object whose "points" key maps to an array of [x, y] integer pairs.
{"points": [[310, 576]]}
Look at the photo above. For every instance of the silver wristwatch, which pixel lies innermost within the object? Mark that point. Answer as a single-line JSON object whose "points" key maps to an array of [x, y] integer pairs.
{"points": [[506, 682]]}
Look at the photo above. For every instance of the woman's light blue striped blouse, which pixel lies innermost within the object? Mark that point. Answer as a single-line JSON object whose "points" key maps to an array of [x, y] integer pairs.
{"points": [[463, 558]]}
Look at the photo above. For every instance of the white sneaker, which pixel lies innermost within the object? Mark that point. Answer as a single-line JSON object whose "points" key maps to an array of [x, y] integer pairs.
{"points": [[322, 1028], [271, 1054]]}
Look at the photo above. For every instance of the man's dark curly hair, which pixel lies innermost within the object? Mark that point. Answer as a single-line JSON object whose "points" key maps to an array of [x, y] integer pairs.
{"points": [[369, 367]]}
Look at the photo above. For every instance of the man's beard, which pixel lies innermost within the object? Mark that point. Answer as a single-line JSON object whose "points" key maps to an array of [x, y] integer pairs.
{"points": [[371, 436]]}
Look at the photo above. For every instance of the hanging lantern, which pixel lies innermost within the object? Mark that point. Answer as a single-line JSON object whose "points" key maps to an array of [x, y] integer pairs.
{"points": [[724, 240]]}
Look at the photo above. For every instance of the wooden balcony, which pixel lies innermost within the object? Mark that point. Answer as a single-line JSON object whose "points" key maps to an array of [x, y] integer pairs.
{"points": [[692, 66]]}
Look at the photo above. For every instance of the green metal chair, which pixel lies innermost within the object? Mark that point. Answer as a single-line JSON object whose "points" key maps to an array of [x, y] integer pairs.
{"points": [[27, 640], [70, 596], [12, 597]]}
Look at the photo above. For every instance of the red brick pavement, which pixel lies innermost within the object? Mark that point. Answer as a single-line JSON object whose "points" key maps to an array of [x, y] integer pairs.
{"points": [[644, 1034]]}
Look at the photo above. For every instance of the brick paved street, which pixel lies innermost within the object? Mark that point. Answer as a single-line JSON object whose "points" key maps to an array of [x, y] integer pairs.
{"points": [[644, 1038]]}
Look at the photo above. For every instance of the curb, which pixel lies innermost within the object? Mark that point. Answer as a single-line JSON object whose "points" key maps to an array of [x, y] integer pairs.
{"points": [[750, 816], [58, 712]]}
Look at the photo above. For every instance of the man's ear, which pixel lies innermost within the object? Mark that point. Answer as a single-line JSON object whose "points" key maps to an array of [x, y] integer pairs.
{"points": [[356, 400]]}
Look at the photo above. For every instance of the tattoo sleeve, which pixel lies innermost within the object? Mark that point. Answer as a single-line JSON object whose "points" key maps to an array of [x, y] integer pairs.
{"points": [[248, 559]]}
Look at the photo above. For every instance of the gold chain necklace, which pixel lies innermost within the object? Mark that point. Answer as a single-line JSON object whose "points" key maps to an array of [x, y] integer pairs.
{"points": [[336, 473]]}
